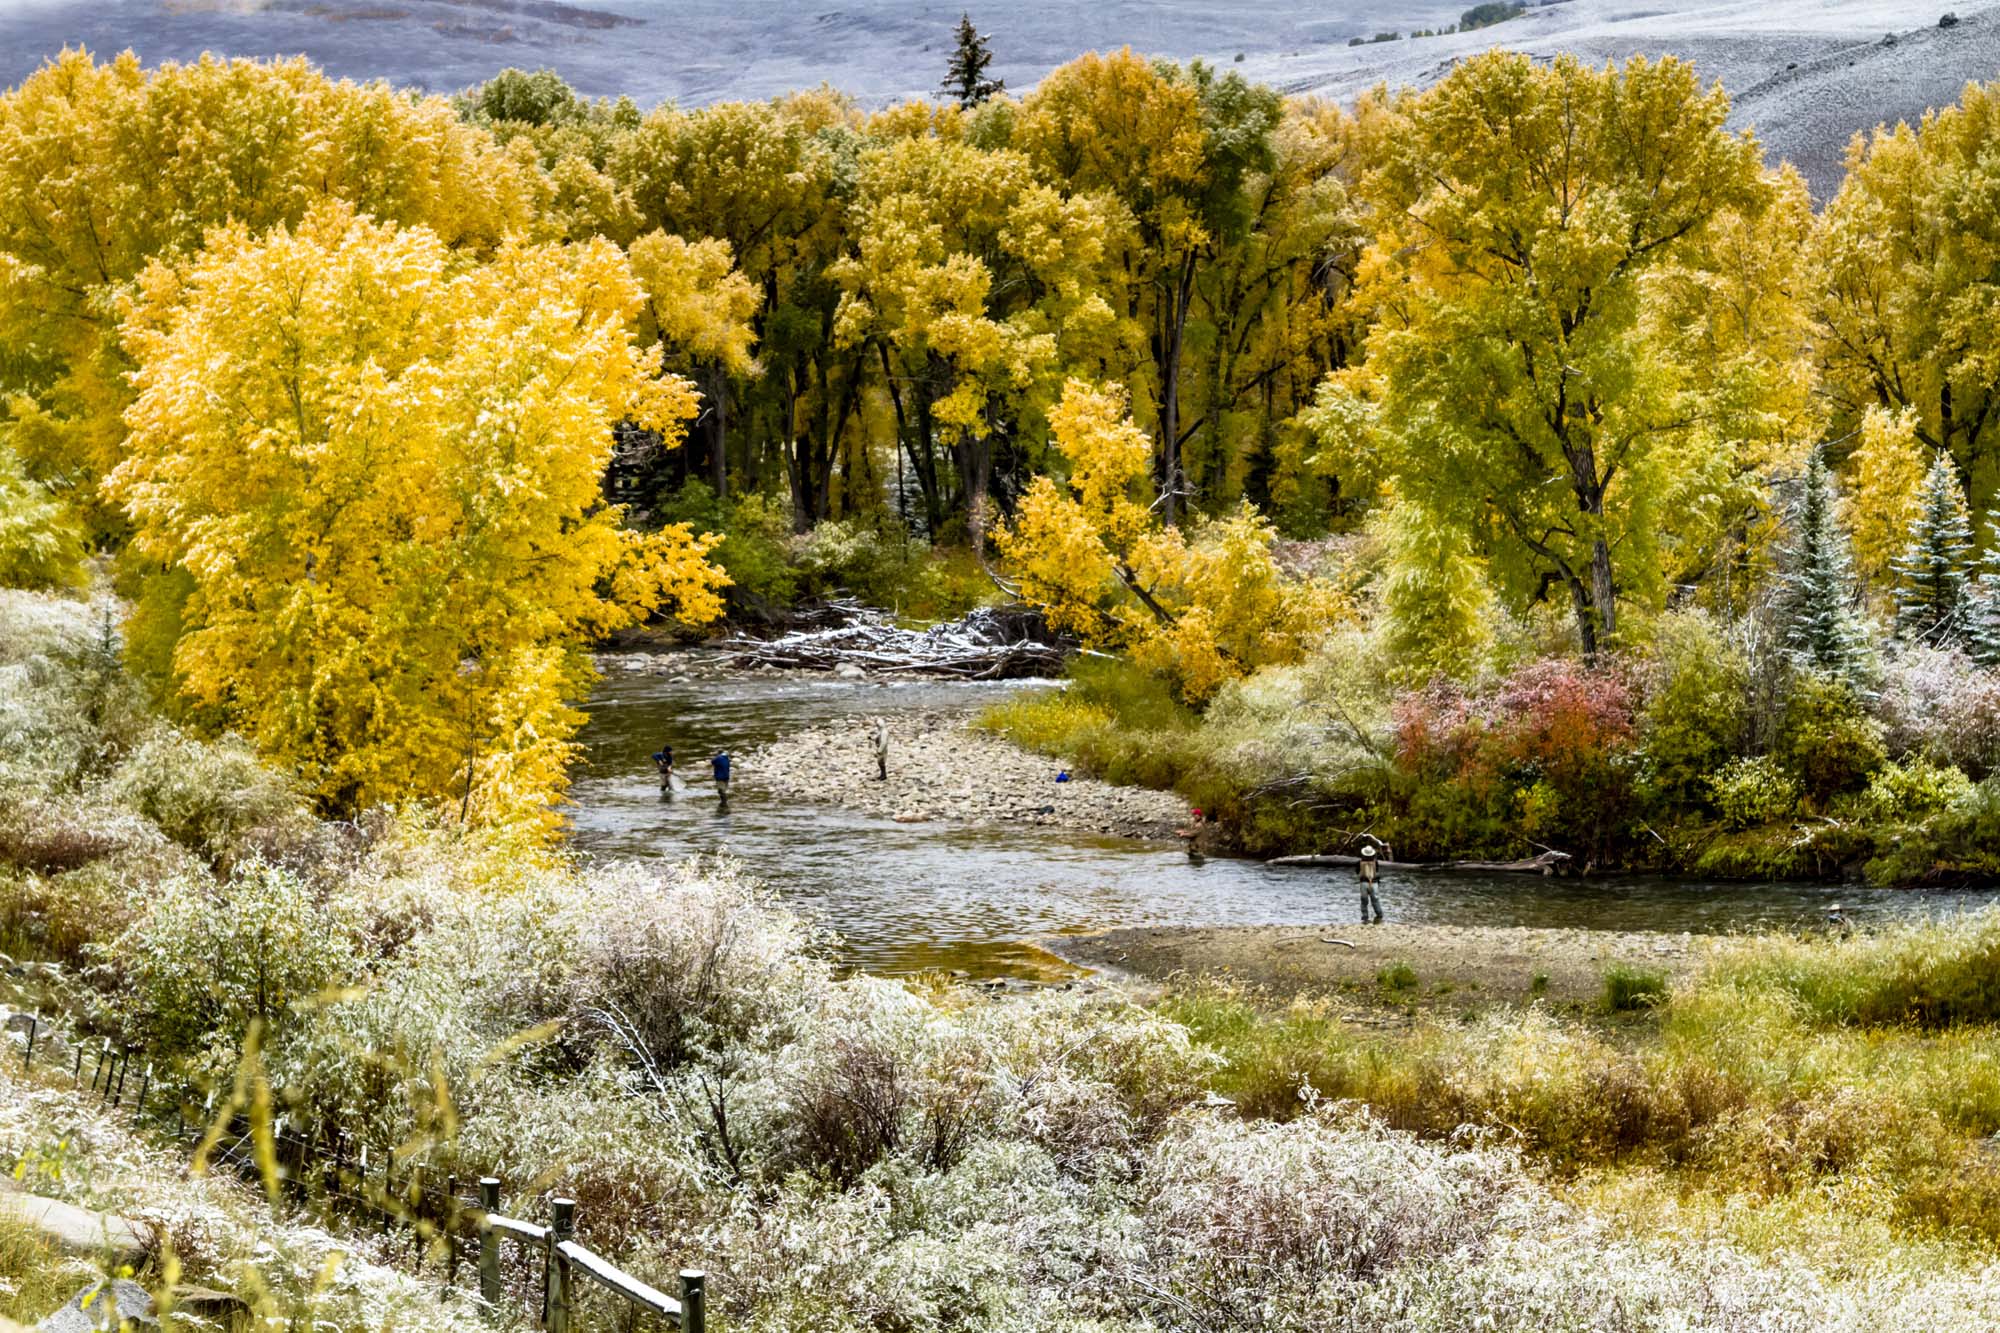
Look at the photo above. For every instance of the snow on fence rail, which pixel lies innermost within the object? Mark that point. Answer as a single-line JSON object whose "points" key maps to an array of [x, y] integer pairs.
{"points": [[318, 1164]]}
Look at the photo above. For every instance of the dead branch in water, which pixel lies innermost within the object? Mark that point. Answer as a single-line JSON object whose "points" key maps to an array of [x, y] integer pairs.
{"points": [[1548, 863], [992, 643]]}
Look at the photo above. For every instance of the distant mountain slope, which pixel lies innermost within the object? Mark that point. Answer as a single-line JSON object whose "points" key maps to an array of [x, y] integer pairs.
{"points": [[1806, 73]]}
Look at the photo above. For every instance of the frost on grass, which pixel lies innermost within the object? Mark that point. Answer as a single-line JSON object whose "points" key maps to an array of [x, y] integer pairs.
{"points": [[679, 1053]]}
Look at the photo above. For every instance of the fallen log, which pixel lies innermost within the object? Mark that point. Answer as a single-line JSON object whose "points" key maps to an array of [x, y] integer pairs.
{"points": [[1547, 863]]}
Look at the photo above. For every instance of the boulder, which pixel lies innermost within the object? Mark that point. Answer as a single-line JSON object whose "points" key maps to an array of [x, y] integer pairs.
{"points": [[79, 1231], [120, 1303]]}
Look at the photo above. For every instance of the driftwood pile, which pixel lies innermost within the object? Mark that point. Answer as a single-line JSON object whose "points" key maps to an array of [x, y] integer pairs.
{"points": [[992, 643]]}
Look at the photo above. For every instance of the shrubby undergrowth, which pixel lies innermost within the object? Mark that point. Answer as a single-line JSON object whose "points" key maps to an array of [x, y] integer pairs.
{"points": [[1705, 752], [681, 1055]]}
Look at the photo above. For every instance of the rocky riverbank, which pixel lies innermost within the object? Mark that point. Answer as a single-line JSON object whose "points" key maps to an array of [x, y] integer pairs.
{"points": [[1398, 965], [941, 768]]}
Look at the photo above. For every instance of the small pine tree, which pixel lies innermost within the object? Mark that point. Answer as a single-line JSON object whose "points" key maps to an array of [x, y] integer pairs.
{"points": [[1821, 630], [965, 78], [1932, 591], [1982, 631]]}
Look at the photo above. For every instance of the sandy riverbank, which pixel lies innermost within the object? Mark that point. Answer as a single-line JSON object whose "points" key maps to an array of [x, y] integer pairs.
{"points": [[940, 767], [1454, 966]]}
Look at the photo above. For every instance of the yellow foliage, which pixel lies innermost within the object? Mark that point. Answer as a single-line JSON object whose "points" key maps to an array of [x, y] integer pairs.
{"points": [[1884, 493], [1201, 608], [104, 167], [696, 300], [378, 464]]}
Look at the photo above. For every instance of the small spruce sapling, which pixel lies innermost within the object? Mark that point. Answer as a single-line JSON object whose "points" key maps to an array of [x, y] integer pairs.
{"points": [[1821, 630], [1933, 592]]}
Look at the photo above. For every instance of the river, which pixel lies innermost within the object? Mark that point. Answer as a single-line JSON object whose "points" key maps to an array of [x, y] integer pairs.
{"points": [[904, 897]]}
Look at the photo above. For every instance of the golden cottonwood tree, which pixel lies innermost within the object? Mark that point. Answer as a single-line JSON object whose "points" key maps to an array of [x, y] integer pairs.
{"points": [[105, 167], [1200, 607], [968, 277], [1538, 230], [1909, 307], [372, 469], [1175, 146], [1884, 494]]}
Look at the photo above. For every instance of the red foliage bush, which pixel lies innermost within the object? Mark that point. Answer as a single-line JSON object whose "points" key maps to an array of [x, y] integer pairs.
{"points": [[1544, 753]]}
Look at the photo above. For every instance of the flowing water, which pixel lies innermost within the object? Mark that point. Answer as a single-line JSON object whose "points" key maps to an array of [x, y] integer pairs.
{"points": [[910, 896]]}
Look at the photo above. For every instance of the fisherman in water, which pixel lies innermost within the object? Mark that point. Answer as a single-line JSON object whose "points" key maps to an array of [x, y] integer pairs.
{"points": [[664, 761], [720, 766], [879, 739], [1366, 866]]}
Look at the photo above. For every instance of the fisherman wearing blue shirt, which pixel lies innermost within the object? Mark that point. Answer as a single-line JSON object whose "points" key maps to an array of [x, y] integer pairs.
{"points": [[721, 766]]}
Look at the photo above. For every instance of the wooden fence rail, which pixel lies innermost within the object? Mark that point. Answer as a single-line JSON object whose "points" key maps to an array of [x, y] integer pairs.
{"points": [[564, 1259]]}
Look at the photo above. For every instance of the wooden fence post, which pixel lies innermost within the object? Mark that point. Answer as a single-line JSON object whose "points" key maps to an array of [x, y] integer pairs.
{"points": [[450, 1231], [28, 1056], [562, 1225], [694, 1301], [489, 1241]]}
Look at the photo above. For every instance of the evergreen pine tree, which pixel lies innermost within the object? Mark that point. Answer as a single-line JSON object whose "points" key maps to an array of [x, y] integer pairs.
{"points": [[1982, 632], [1933, 593], [1821, 629], [965, 78]]}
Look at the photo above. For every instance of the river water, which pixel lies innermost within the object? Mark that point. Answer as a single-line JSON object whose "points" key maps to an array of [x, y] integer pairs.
{"points": [[911, 896]]}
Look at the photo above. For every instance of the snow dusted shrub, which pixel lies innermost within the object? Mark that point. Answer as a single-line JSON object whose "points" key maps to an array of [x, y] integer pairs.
{"points": [[1234, 1208], [214, 798], [1093, 1079], [1934, 702], [207, 960], [700, 957]]}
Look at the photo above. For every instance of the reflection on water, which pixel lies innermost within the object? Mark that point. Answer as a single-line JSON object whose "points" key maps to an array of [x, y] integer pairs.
{"points": [[908, 896]]}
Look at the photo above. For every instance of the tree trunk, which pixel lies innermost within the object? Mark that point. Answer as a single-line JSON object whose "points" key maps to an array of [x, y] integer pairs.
{"points": [[1170, 394], [718, 448]]}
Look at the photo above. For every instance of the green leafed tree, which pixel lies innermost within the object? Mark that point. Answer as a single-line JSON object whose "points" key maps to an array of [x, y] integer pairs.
{"points": [[1933, 590], [1561, 389], [1822, 631]]}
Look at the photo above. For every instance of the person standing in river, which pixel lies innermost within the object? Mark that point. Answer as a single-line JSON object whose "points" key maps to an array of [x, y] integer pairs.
{"points": [[1366, 867], [720, 766], [664, 761], [879, 739]]}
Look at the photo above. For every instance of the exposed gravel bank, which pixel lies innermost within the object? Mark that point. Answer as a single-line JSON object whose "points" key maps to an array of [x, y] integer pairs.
{"points": [[941, 768], [1454, 966]]}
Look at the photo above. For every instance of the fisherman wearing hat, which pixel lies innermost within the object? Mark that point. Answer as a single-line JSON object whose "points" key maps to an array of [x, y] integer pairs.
{"points": [[1366, 866]]}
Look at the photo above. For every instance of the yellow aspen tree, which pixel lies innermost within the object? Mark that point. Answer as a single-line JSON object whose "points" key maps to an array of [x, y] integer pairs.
{"points": [[1885, 481], [967, 277], [105, 167], [370, 469], [1537, 227], [1199, 606], [1909, 315]]}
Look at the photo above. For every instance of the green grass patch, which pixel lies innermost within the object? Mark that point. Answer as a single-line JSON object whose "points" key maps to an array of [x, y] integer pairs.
{"points": [[1627, 989]]}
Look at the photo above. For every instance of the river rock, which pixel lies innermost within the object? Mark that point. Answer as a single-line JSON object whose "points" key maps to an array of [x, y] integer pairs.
{"points": [[120, 1303], [849, 671], [79, 1231]]}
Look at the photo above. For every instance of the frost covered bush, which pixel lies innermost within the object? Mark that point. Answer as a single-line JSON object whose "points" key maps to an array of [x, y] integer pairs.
{"points": [[206, 960], [211, 797], [1935, 703]]}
